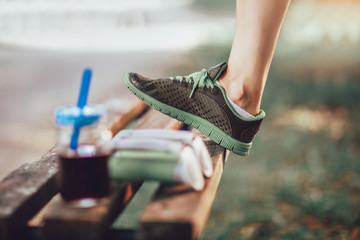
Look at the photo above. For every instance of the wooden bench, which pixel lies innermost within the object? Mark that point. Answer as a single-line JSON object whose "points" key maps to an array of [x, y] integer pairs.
{"points": [[31, 208]]}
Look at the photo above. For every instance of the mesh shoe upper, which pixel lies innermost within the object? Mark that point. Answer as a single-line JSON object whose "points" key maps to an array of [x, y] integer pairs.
{"points": [[205, 100]]}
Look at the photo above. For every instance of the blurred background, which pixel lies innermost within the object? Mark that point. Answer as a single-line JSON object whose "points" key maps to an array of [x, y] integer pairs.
{"points": [[302, 178]]}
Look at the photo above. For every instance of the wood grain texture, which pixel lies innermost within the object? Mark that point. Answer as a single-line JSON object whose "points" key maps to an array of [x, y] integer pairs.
{"points": [[178, 212], [62, 221], [121, 121], [24, 192], [27, 189]]}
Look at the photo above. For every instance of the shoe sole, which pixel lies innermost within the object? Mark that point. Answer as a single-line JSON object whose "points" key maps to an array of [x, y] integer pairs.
{"points": [[204, 126]]}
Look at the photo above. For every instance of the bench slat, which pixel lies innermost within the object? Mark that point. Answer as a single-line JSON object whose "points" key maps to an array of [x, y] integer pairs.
{"points": [[24, 192], [27, 189], [64, 222], [177, 212]]}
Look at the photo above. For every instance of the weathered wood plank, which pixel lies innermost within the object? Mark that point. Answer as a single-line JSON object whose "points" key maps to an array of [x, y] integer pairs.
{"points": [[64, 222], [182, 213], [35, 233], [27, 189], [130, 216], [125, 118], [177, 212], [23, 192]]}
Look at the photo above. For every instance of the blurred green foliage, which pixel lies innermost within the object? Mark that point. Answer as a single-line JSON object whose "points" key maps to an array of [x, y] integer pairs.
{"points": [[302, 178], [300, 181], [211, 6]]}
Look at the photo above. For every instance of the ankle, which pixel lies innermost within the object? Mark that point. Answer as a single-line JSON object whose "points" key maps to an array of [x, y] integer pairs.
{"points": [[242, 96], [247, 102]]}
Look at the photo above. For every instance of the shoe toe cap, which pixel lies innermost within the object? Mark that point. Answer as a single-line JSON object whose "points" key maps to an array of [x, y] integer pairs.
{"points": [[142, 83]]}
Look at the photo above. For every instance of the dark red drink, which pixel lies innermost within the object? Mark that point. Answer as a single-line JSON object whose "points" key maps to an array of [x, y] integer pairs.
{"points": [[83, 177]]}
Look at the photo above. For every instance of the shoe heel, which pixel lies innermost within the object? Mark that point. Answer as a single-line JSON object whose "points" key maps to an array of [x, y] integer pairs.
{"points": [[241, 149]]}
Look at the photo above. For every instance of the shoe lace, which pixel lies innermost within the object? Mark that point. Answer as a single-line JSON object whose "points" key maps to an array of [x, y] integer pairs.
{"points": [[200, 79]]}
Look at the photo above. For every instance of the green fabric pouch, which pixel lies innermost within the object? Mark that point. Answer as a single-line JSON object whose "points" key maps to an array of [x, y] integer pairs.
{"points": [[171, 136], [155, 159]]}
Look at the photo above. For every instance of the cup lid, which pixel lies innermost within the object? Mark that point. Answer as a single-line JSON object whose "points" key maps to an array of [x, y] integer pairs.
{"points": [[71, 115]]}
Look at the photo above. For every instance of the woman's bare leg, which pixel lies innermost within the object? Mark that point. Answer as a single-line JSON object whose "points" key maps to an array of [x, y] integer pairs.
{"points": [[257, 28]]}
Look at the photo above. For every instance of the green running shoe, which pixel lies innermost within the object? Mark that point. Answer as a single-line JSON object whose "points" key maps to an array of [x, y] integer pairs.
{"points": [[198, 101]]}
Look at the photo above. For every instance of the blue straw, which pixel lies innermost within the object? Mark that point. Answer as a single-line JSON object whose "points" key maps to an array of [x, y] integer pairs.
{"points": [[84, 90]]}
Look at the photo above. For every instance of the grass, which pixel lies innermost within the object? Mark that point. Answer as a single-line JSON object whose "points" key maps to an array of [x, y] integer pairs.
{"points": [[302, 178]]}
